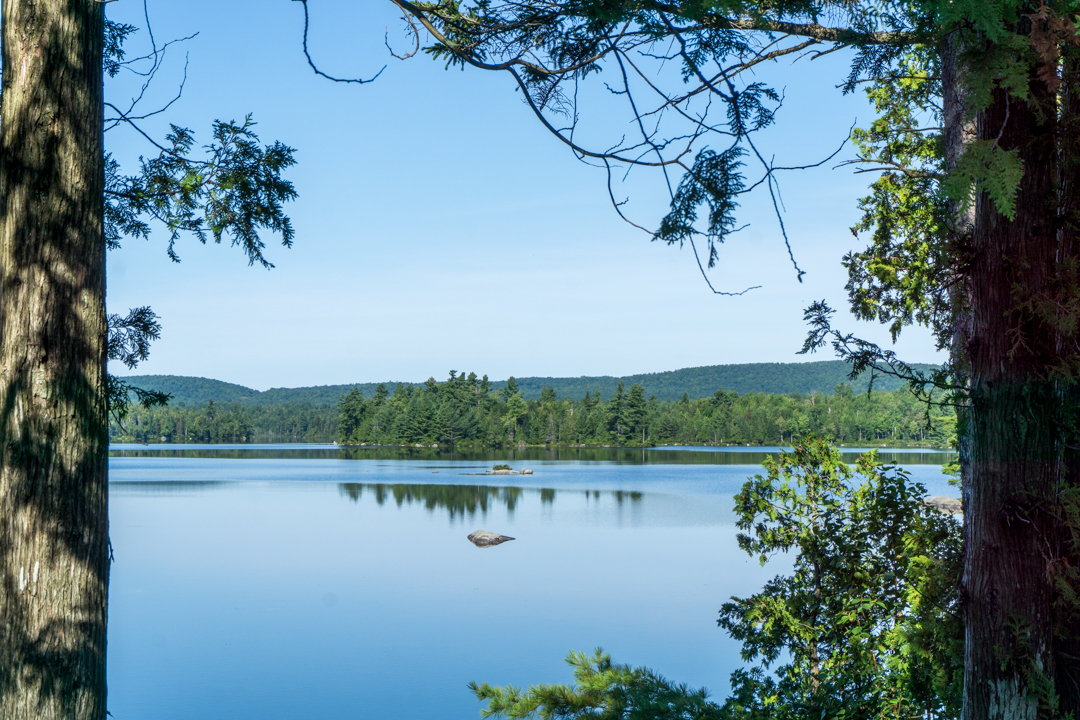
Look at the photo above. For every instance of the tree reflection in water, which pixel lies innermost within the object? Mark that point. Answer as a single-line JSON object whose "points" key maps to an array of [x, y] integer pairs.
{"points": [[461, 500]]}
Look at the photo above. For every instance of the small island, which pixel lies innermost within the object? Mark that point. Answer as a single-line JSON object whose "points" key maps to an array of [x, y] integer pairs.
{"points": [[503, 470]]}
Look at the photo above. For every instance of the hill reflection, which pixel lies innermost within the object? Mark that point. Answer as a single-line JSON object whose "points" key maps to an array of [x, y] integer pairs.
{"points": [[467, 500]]}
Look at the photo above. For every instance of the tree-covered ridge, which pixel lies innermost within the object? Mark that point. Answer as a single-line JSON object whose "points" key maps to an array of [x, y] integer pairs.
{"points": [[469, 410], [197, 391], [697, 382], [701, 382], [194, 390]]}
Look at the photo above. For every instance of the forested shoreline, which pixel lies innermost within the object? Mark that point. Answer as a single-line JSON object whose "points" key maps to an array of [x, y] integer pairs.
{"points": [[227, 423], [469, 411]]}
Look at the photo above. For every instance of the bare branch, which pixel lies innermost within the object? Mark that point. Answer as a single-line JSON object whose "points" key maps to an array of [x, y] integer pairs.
{"points": [[357, 81], [709, 282], [412, 31]]}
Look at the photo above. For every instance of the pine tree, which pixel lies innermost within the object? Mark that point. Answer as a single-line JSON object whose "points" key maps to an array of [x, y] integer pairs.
{"points": [[351, 412], [516, 410], [380, 395], [616, 413], [634, 412]]}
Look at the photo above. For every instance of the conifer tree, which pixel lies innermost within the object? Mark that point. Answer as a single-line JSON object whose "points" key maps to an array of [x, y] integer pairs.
{"points": [[972, 230], [63, 204], [616, 411], [380, 395], [635, 411], [351, 411]]}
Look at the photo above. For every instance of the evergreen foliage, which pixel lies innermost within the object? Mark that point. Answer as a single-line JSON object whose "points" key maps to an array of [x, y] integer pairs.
{"points": [[604, 691], [226, 423], [463, 410], [466, 410], [232, 188], [867, 624]]}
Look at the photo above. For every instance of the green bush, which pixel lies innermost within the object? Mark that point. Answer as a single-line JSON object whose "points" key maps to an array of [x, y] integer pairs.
{"points": [[865, 627]]}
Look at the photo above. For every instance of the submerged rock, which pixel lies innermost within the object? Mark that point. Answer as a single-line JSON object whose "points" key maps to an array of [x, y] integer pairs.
{"points": [[944, 504], [483, 539]]}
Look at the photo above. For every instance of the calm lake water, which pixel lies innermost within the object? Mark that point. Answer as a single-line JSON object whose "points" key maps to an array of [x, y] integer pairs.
{"points": [[307, 581]]}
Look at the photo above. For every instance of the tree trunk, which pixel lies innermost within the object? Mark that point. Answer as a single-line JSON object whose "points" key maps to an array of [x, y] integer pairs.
{"points": [[54, 554], [1014, 425], [1067, 547], [958, 132]]}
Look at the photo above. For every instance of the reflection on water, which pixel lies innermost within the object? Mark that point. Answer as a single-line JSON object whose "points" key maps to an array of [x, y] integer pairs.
{"points": [[264, 581], [457, 500], [622, 456], [302, 593], [460, 501]]}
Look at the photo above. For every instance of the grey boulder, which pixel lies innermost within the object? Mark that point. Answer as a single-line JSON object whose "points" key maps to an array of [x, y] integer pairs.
{"points": [[944, 504], [483, 539]]}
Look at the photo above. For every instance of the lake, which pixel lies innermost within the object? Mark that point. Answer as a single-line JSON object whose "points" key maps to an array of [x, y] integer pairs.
{"points": [[309, 581]]}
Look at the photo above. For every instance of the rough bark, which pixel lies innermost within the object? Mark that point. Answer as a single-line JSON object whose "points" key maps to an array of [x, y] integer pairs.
{"points": [[54, 555], [1067, 545], [958, 132], [1014, 426]]}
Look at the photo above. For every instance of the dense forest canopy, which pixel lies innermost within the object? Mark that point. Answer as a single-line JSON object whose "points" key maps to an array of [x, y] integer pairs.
{"points": [[698, 382], [227, 423], [466, 410]]}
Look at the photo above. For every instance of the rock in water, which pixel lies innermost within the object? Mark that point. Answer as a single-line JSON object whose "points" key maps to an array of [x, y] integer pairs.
{"points": [[483, 538], [944, 504]]}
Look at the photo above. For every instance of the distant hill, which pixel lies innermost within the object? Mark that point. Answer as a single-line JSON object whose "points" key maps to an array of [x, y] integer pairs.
{"points": [[779, 378], [775, 378], [197, 390], [319, 393]]}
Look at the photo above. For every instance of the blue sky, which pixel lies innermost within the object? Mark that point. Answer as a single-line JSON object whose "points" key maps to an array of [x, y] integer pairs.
{"points": [[440, 227]]}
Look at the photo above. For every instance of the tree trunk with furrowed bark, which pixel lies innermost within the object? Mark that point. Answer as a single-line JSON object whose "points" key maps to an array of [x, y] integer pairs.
{"points": [[54, 554], [1022, 278], [1067, 550]]}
